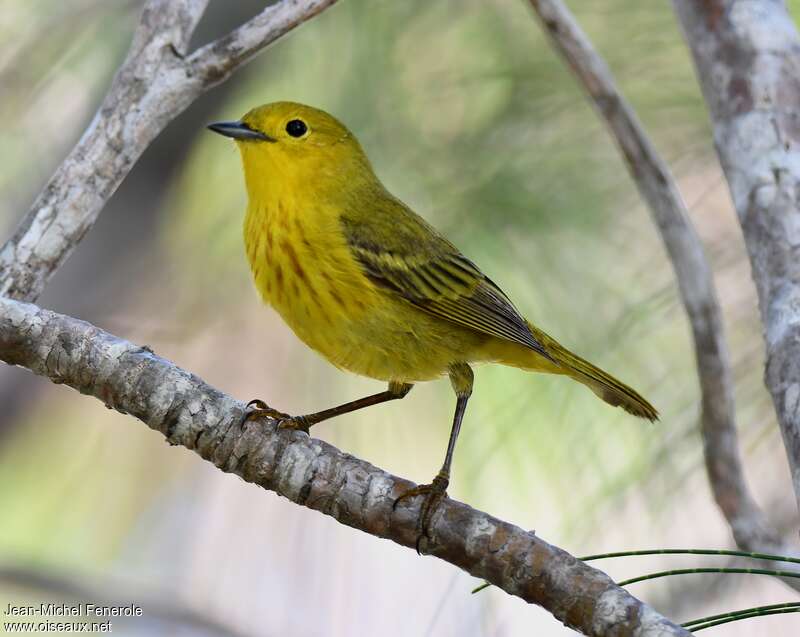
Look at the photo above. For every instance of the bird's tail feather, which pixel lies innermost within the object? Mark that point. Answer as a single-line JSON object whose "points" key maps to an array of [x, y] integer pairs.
{"points": [[601, 383]]}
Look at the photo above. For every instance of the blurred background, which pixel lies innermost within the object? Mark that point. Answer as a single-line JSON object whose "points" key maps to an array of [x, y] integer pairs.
{"points": [[470, 118]]}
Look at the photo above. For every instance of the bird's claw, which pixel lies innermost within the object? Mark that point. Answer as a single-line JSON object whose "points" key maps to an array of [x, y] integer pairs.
{"points": [[434, 493], [298, 423], [257, 408]]}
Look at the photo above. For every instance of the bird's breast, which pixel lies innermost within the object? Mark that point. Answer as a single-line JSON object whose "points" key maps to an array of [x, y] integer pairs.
{"points": [[303, 268]]}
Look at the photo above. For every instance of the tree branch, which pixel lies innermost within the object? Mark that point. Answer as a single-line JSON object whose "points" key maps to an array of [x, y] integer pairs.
{"points": [[216, 61], [155, 83], [311, 472], [747, 57], [657, 187]]}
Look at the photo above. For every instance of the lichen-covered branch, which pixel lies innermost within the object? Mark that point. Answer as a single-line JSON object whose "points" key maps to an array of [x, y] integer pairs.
{"points": [[156, 82], [307, 471], [692, 271], [747, 56]]}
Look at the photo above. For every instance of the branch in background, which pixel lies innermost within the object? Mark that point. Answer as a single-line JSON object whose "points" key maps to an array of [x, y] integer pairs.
{"points": [[155, 83], [695, 282], [310, 472], [747, 57]]}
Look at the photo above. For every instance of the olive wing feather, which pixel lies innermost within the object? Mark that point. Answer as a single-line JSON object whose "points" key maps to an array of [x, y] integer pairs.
{"points": [[410, 258]]}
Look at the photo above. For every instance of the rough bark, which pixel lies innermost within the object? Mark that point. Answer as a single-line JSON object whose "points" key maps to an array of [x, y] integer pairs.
{"points": [[155, 83], [310, 472], [747, 57], [657, 187]]}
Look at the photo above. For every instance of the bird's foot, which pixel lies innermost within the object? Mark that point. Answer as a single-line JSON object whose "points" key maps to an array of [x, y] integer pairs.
{"points": [[434, 493], [257, 408]]}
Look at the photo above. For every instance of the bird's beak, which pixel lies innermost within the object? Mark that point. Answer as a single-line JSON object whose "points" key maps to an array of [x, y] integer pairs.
{"points": [[239, 130]]}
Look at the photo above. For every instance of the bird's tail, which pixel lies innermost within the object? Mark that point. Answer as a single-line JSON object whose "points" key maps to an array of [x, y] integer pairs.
{"points": [[562, 361], [601, 383]]}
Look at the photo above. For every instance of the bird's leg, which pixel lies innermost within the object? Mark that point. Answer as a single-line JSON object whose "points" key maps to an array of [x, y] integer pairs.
{"points": [[461, 378], [303, 423]]}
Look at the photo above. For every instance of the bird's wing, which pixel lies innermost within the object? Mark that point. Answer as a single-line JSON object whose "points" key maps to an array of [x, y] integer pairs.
{"points": [[400, 252]]}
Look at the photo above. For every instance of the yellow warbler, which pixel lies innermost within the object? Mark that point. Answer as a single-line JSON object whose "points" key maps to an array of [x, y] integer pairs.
{"points": [[371, 286]]}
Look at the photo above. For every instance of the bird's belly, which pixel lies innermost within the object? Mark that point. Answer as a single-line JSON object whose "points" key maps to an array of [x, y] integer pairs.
{"points": [[379, 338]]}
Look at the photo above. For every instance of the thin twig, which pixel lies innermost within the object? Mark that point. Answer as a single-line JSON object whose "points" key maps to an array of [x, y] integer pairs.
{"points": [[747, 612], [155, 83], [755, 556], [311, 472], [695, 283], [735, 617], [701, 570]]}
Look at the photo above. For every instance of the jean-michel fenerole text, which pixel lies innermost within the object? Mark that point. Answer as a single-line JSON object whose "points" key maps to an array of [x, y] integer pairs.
{"points": [[73, 610]]}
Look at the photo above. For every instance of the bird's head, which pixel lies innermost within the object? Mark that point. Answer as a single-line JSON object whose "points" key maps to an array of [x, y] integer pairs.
{"points": [[290, 145]]}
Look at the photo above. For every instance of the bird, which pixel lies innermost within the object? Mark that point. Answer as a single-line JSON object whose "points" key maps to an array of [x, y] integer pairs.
{"points": [[374, 288]]}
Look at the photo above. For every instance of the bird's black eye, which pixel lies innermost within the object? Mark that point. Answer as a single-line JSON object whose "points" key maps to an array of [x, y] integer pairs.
{"points": [[296, 128]]}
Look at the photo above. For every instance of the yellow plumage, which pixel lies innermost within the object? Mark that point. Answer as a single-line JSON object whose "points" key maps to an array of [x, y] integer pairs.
{"points": [[366, 282], [308, 274]]}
